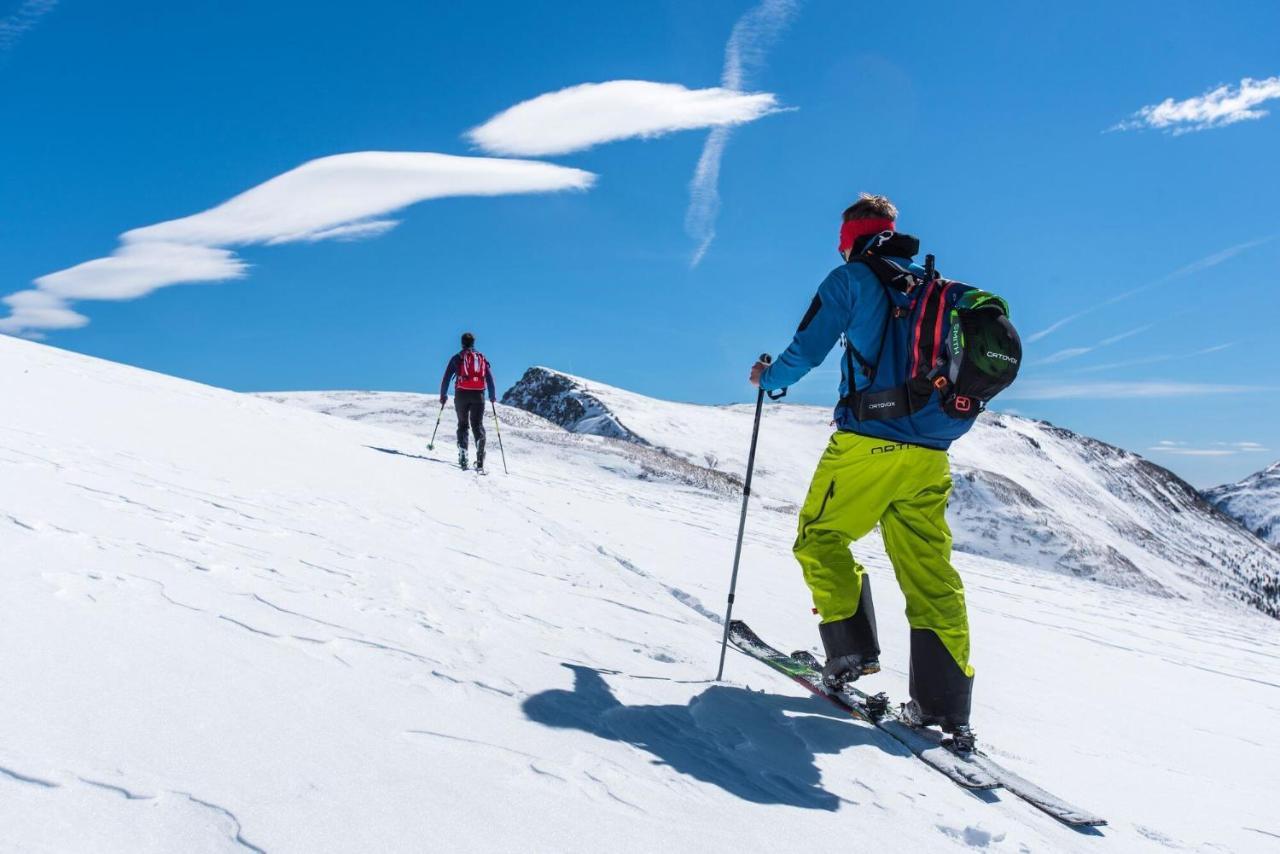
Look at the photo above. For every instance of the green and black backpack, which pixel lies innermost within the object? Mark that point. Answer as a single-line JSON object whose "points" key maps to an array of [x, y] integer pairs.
{"points": [[947, 349]]}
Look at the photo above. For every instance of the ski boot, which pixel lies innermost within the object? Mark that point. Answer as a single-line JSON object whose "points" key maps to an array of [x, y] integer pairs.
{"points": [[808, 659], [962, 740], [840, 672], [462, 458], [480, 462]]}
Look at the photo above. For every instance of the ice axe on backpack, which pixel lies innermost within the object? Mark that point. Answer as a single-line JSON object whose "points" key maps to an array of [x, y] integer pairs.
{"points": [[742, 521]]}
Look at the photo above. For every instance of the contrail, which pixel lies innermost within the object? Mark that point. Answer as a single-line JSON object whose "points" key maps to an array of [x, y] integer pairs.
{"points": [[752, 36]]}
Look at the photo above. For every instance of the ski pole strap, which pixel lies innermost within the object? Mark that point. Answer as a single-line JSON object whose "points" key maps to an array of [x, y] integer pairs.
{"points": [[781, 393]]}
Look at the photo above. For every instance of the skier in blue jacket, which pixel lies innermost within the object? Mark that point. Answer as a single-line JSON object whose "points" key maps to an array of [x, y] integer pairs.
{"points": [[891, 472]]}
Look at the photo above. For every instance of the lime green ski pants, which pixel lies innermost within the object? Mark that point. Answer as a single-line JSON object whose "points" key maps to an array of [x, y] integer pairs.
{"points": [[862, 481]]}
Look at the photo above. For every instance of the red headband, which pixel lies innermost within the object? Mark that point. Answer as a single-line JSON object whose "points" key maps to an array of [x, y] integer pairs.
{"points": [[855, 228]]}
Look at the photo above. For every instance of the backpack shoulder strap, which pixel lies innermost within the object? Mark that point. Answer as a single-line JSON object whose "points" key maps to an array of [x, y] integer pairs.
{"points": [[892, 277]]}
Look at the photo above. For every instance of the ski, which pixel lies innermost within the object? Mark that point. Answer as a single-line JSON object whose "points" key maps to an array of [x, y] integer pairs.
{"points": [[973, 770]]}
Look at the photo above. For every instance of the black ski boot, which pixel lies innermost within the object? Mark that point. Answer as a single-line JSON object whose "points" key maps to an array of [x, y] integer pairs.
{"points": [[840, 672], [851, 645], [962, 738], [462, 458], [480, 461]]}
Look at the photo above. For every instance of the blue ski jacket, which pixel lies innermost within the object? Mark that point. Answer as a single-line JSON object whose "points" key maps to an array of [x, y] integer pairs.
{"points": [[850, 302]]}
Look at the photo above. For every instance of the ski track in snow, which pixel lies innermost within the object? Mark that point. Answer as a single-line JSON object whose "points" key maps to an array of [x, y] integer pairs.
{"points": [[237, 625]]}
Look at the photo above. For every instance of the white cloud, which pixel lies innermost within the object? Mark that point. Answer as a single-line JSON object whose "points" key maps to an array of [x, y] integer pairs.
{"points": [[752, 36], [587, 115], [37, 310], [333, 198], [347, 191], [1225, 105], [136, 269], [26, 16], [1042, 390], [1215, 449]]}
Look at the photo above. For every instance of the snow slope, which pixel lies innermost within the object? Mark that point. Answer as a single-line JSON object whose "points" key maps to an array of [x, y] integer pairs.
{"points": [[235, 625], [1254, 502], [1026, 491]]}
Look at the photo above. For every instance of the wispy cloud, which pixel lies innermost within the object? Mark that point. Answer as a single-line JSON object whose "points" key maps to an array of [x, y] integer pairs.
{"points": [[1197, 266], [579, 117], [22, 19], [744, 54], [342, 197], [1219, 107], [1054, 327], [1063, 355], [1047, 390], [1213, 449], [1153, 360], [1075, 352]]}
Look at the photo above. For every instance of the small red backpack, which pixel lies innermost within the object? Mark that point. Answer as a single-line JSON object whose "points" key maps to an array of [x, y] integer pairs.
{"points": [[473, 371]]}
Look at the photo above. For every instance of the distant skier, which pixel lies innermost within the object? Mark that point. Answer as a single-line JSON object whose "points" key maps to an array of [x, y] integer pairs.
{"points": [[474, 376], [916, 388]]}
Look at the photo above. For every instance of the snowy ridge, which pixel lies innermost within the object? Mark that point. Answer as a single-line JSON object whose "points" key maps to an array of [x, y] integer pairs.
{"points": [[1254, 502], [567, 400], [1026, 491], [232, 625]]}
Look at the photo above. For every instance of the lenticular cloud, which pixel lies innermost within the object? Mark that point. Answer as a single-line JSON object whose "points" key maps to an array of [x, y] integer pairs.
{"points": [[584, 116], [334, 195], [342, 197]]}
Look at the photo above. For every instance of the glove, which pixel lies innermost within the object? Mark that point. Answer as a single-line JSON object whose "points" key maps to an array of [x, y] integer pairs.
{"points": [[444, 398], [492, 399]]}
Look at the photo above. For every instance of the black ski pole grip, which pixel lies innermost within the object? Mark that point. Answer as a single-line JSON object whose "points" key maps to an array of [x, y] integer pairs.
{"points": [[768, 360]]}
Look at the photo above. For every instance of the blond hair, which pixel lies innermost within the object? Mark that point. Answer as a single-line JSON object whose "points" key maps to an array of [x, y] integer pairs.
{"points": [[871, 207]]}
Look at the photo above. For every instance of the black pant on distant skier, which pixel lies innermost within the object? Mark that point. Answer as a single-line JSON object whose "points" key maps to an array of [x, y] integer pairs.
{"points": [[470, 408]]}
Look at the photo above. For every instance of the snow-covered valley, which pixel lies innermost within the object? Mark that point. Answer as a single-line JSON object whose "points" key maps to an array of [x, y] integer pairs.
{"points": [[234, 624]]}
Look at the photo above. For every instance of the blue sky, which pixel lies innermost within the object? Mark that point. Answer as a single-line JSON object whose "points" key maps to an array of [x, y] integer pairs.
{"points": [[1010, 136]]}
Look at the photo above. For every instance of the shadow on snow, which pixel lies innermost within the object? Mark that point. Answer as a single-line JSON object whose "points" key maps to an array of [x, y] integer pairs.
{"points": [[733, 738], [408, 455]]}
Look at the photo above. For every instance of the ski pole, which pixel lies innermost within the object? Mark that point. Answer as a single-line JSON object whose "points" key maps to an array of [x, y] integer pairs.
{"points": [[742, 522], [498, 430], [431, 446]]}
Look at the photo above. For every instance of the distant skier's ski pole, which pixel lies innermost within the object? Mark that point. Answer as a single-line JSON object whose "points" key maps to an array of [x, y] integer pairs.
{"points": [[742, 522], [497, 429], [431, 446]]}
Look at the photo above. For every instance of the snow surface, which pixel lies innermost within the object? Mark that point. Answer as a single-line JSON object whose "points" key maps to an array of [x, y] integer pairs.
{"points": [[1026, 491], [231, 624]]}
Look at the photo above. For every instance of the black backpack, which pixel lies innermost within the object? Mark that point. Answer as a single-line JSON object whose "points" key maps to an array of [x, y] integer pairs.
{"points": [[952, 339]]}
